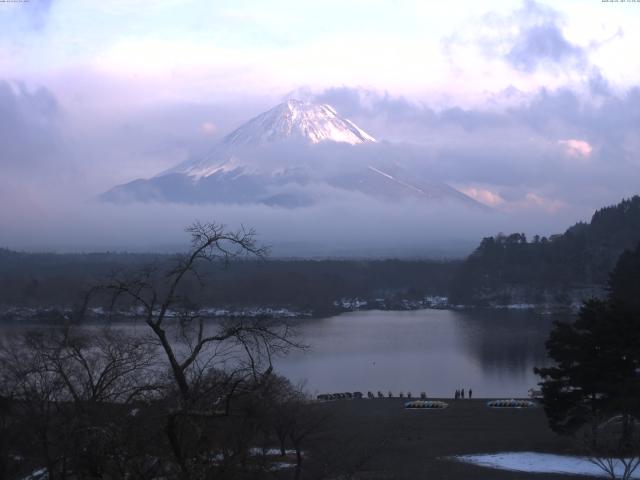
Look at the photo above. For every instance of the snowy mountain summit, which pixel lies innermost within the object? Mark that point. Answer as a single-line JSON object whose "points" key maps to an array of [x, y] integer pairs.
{"points": [[293, 123], [298, 120], [296, 154]]}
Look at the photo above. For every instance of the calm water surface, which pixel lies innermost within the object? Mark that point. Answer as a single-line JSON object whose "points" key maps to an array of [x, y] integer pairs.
{"points": [[435, 351]]}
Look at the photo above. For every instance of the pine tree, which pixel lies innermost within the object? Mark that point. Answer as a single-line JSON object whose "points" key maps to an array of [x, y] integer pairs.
{"points": [[597, 358]]}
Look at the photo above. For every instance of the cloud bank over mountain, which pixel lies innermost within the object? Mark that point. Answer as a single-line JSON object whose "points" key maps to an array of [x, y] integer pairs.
{"points": [[538, 179]]}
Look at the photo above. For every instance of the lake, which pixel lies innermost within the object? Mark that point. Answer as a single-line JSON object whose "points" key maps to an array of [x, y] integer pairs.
{"points": [[435, 351]]}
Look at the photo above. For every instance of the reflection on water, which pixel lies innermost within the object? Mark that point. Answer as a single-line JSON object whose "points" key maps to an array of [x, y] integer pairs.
{"points": [[436, 351], [504, 342]]}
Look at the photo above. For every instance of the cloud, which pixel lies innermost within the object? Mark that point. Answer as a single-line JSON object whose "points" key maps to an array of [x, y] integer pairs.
{"points": [[607, 123], [535, 200], [576, 148], [598, 84], [512, 148], [25, 17], [208, 128], [29, 122], [542, 44], [483, 195], [37, 12], [539, 40], [397, 115], [350, 224], [527, 39]]}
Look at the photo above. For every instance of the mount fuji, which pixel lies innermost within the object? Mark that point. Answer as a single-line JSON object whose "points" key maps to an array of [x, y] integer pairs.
{"points": [[294, 155]]}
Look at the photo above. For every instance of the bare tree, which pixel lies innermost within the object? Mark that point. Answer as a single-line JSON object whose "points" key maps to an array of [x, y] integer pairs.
{"points": [[181, 398], [239, 352], [614, 446], [36, 393], [64, 383]]}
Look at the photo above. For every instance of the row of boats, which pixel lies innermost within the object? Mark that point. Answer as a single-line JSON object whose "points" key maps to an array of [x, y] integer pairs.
{"points": [[423, 402], [370, 395], [510, 403]]}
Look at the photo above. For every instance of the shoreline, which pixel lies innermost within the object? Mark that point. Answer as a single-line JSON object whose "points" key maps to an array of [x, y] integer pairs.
{"points": [[50, 316]]}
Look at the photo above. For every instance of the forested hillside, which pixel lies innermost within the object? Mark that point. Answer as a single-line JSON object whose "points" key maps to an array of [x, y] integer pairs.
{"points": [[512, 269]]}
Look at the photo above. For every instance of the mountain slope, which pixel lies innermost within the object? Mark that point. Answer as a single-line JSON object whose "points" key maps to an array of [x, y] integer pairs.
{"points": [[294, 155]]}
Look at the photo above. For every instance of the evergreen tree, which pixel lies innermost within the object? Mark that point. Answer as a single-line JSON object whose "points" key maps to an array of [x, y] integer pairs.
{"points": [[597, 358]]}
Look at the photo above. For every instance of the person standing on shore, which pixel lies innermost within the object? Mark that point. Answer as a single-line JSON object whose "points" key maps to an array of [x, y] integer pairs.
{"points": [[470, 393], [462, 393], [457, 395]]}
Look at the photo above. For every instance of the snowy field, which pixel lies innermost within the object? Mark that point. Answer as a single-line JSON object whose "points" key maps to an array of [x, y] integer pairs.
{"points": [[540, 463]]}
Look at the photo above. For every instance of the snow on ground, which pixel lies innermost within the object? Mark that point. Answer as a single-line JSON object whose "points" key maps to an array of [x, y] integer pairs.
{"points": [[270, 451], [533, 462], [40, 474], [288, 461]]}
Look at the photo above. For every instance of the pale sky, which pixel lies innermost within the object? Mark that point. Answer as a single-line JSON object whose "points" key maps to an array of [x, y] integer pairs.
{"points": [[205, 50]]}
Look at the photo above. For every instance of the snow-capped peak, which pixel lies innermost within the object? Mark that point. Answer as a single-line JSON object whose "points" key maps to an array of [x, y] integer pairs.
{"points": [[300, 120], [295, 120]]}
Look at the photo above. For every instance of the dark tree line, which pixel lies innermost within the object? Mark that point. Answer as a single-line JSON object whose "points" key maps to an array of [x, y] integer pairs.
{"points": [[52, 280], [581, 257]]}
